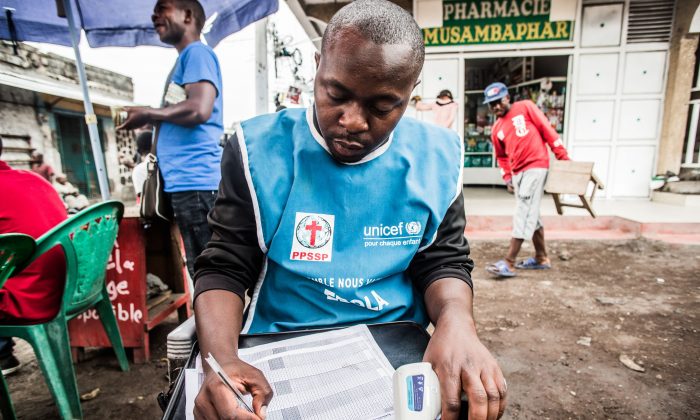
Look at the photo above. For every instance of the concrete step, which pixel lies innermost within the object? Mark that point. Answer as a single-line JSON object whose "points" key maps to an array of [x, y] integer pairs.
{"points": [[587, 228]]}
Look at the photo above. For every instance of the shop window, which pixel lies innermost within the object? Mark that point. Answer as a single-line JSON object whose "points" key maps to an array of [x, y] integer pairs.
{"points": [[539, 79]]}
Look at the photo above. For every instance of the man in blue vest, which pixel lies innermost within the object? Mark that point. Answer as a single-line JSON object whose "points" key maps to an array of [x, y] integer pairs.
{"points": [[344, 214], [191, 125]]}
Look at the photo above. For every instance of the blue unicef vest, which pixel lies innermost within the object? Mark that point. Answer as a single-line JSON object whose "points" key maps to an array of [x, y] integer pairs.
{"points": [[339, 237]]}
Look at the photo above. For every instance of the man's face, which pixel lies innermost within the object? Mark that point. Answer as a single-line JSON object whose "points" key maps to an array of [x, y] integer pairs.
{"points": [[500, 107], [169, 21], [361, 91]]}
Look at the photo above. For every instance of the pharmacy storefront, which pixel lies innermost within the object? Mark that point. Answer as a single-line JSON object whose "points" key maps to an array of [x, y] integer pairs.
{"points": [[596, 69]]}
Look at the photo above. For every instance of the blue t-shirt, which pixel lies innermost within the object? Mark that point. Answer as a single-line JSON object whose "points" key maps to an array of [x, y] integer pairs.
{"points": [[190, 157]]}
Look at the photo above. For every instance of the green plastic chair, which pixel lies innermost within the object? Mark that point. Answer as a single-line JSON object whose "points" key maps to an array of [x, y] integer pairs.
{"points": [[87, 240], [15, 250]]}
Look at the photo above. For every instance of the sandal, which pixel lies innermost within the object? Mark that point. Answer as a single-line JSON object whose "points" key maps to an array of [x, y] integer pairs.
{"points": [[500, 269], [532, 264]]}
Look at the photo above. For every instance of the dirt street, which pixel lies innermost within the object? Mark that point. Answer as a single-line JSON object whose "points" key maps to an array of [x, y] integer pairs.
{"points": [[558, 335]]}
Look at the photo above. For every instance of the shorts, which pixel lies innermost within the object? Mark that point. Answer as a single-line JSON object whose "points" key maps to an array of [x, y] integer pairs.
{"points": [[529, 188]]}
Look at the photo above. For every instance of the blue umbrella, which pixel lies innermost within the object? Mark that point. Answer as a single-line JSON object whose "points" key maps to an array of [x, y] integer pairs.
{"points": [[113, 23]]}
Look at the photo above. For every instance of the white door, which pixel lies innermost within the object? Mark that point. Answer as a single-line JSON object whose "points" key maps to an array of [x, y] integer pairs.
{"points": [[602, 25], [593, 120], [639, 119], [644, 72], [632, 171], [437, 75], [599, 155], [597, 74]]}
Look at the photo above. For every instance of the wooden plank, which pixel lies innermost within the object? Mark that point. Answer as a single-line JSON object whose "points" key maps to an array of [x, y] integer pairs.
{"points": [[568, 177], [158, 313], [571, 166], [155, 301], [567, 183]]}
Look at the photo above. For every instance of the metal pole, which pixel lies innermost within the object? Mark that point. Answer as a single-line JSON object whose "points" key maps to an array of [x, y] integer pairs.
{"points": [[261, 71], [90, 117]]}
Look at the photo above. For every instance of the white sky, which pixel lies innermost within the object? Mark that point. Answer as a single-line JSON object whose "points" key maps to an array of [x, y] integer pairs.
{"points": [[149, 66]]}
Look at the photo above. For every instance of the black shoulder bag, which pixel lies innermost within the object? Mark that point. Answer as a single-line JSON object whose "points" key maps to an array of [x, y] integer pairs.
{"points": [[155, 202]]}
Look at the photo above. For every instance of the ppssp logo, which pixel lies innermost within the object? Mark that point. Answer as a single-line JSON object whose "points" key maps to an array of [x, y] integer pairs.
{"points": [[313, 237], [314, 231]]}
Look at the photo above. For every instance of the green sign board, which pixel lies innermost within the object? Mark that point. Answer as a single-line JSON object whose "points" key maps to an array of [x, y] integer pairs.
{"points": [[473, 22]]}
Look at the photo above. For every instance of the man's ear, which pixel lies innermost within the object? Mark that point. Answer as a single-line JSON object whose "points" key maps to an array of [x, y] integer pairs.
{"points": [[317, 57]]}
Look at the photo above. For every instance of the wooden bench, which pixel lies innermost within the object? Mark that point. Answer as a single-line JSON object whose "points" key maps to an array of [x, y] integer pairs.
{"points": [[574, 178]]}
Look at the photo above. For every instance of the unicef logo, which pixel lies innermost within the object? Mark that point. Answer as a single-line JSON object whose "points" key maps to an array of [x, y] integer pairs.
{"points": [[313, 232], [413, 228]]}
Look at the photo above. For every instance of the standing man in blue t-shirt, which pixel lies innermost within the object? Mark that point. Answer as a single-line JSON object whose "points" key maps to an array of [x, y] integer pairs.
{"points": [[189, 155]]}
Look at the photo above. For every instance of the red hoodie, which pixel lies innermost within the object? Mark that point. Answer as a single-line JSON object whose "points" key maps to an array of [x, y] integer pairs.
{"points": [[30, 205], [519, 140]]}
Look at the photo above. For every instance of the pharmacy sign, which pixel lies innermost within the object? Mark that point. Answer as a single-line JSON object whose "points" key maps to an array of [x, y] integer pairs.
{"points": [[473, 22]]}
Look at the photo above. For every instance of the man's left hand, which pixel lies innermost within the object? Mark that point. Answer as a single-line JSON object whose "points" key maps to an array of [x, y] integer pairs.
{"points": [[462, 363], [138, 116]]}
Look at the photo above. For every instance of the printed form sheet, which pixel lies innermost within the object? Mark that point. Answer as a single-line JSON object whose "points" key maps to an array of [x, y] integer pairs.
{"points": [[340, 374]]}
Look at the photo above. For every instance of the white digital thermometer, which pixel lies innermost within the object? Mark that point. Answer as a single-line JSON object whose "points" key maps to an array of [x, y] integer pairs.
{"points": [[416, 392]]}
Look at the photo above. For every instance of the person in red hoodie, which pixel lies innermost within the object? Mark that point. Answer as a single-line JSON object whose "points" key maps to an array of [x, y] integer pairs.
{"points": [[520, 138], [29, 205]]}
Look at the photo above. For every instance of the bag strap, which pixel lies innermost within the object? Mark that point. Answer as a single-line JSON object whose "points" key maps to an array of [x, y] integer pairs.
{"points": [[156, 127]]}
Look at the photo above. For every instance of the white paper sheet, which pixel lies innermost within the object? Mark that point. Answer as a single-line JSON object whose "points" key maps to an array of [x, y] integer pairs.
{"points": [[340, 374]]}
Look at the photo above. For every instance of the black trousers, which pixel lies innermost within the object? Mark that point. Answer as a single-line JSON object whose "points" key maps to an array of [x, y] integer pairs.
{"points": [[191, 209]]}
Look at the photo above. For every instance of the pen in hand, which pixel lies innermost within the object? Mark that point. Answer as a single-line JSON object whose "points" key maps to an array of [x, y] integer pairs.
{"points": [[227, 381]]}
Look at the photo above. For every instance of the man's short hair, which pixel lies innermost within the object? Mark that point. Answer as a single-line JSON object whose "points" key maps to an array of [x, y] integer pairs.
{"points": [[143, 142], [197, 11], [381, 22]]}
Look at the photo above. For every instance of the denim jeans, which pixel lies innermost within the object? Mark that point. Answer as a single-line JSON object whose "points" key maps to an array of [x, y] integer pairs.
{"points": [[191, 209]]}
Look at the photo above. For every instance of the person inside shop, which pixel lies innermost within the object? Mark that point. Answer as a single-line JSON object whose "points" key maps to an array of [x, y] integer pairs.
{"points": [[190, 126], [444, 108], [143, 147], [344, 190], [40, 167], [72, 198], [520, 138], [30, 206]]}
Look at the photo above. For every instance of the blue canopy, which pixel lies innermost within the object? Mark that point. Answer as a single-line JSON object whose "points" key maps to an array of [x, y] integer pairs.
{"points": [[120, 23]]}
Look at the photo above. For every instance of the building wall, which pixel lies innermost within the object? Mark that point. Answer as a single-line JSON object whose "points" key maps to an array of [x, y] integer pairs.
{"points": [[28, 119], [31, 62], [680, 81], [19, 118]]}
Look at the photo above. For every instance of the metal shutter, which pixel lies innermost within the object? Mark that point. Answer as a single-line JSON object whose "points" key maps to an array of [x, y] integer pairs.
{"points": [[650, 21]]}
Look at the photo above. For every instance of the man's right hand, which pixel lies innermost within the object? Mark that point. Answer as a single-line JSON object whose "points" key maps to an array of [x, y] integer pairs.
{"points": [[216, 401], [137, 117], [509, 186]]}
